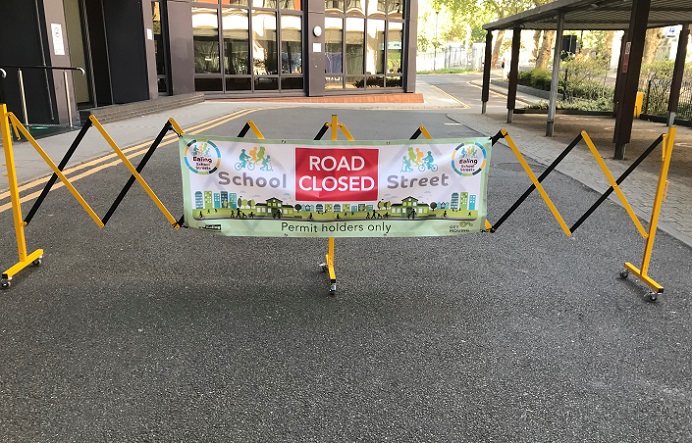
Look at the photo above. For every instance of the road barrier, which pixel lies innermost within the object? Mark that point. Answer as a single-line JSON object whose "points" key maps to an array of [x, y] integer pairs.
{"points": [[8, 121]]}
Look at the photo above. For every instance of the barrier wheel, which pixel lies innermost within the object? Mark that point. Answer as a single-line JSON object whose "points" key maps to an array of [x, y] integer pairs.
{"points": [[332, 289], [624, 274], [38, 261], [323, 267], [4, 283], [653, 296]]}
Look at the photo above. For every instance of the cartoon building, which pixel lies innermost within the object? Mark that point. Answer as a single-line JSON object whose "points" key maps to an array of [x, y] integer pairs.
{"points": [[199, 200]]}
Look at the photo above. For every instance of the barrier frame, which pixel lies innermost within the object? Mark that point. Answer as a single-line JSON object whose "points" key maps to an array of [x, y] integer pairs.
{"points": [[8, 119]]}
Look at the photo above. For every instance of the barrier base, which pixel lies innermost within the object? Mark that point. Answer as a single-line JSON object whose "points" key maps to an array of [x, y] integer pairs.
{"points": [[655, 287], [32, 259]]}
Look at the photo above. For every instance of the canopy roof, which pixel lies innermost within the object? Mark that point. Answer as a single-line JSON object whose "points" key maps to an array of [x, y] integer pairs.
{"points": [[596, 15]]}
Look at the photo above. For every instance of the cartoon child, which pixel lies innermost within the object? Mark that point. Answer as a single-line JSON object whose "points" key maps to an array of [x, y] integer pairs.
{"points": [[419, 156], [243, 157], [260, 156], [429, 160], [406, 165], [266, 164], [253, 155], [411, 155]]}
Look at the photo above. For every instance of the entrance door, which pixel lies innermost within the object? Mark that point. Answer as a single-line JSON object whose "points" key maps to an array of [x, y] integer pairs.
{"points": [[159, 27], [86, 33]]}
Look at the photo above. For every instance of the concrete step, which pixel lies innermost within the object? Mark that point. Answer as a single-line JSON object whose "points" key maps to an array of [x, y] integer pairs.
{"points": [[107, 114]]}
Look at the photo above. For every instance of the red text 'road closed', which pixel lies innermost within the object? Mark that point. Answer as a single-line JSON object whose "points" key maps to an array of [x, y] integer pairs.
{"points": [[335, 175]]}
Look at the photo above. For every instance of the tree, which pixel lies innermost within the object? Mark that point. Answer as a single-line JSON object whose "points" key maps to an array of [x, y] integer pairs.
{"points": [[651, 44], [298, 207], [433, 206]]}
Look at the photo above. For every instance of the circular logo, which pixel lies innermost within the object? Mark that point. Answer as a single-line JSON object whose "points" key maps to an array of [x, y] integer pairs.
{"points": [[469, 159], [202, 157]]}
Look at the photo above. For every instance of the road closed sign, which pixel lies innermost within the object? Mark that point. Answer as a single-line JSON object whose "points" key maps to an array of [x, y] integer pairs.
{"points": [[308, 188]]}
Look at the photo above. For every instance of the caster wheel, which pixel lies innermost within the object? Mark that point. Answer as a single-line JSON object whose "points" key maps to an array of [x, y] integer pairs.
{"points": [[4, 283], [323, 267], [653, 296], [624, 274], [332, 289], [38, 261]]}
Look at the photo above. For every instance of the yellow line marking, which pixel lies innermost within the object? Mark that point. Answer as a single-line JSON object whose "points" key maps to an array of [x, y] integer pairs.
{"points": [[463, 105], [500, 94], [165, 142]]}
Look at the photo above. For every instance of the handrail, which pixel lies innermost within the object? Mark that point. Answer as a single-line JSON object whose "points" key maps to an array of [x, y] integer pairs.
{"points": [[20, 80], [66, 68]]}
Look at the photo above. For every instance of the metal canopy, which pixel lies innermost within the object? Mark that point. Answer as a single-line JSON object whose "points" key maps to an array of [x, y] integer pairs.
{"points": [[595, 15]]}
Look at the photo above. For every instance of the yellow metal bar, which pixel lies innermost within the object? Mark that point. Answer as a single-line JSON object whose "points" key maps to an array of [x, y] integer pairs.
{"points": [[24, 258], [668, 143], [613, 183], [22, 264], [425, 132], [134, 172], [16, 131], [644, 278], [334, 125], [255, 130], [58, 172], [176, 127], [12, 179], [330, 260], [536, 183], [344, 129]]}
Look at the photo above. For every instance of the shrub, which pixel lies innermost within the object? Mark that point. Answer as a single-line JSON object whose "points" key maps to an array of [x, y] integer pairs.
{"points": [[541, 79]]}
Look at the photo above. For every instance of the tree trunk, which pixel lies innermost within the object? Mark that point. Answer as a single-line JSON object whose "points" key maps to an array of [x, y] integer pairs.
{"points": [[608, 46], [536, 45], [653, 39], [496, 49], [546, 49]]}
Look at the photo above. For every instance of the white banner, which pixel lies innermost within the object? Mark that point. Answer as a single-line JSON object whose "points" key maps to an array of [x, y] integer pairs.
{"points": [[307, 188]]}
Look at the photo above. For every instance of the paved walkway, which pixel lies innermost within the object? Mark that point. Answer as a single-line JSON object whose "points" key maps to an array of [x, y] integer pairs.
{"points": [[527, 131]]}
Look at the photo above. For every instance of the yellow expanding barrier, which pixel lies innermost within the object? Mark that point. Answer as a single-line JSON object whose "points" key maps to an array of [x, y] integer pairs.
{"points": [[9, 122]]}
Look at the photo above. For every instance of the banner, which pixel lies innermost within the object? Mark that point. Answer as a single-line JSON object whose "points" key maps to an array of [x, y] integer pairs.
{"points": [[320, 188]]}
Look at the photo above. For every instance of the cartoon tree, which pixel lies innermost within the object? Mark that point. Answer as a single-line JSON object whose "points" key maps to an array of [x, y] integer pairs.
{"points": [[251, 203], [298, 207], [240, 202], [433, 206], [380, 204]]}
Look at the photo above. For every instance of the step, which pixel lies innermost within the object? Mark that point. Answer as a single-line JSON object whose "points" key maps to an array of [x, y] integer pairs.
{"points": [[108, 114]]}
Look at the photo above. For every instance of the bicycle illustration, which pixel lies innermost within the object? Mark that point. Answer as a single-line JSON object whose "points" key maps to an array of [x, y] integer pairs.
{"points": [[425, 165], [244, 165]]}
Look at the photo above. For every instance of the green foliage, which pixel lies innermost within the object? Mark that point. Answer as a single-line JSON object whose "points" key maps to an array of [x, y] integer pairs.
{"points": [[538, 78], [656, 80], [374, 81], [598, 105]]}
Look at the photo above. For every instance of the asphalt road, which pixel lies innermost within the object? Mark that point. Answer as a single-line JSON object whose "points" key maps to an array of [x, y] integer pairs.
{"points": [[141, 333]]}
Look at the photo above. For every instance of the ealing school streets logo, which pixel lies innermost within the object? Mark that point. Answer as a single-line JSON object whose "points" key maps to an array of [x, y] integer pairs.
{"points": [[468, 160], [202, 157]]}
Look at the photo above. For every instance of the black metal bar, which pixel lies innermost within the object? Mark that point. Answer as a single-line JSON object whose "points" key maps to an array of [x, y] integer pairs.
{"points": [[323, 131], [244, 130], [610, 190], [53, 178], [542, 177], [497, 137], [167, 127], [416, 134]]}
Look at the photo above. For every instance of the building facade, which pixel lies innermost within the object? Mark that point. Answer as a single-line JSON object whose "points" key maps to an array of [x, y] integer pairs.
{"points": [[135, 50]]}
